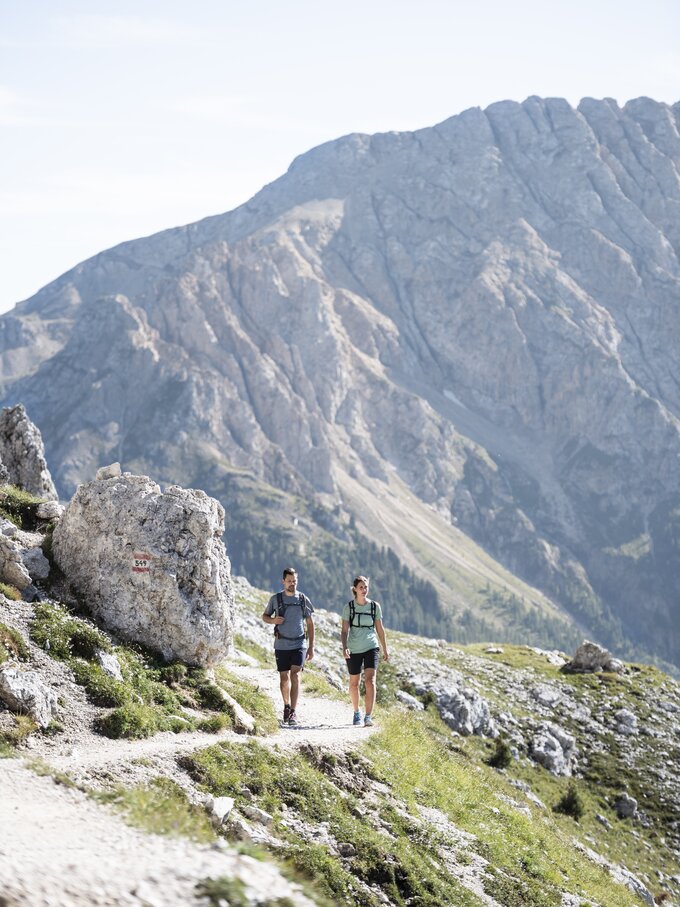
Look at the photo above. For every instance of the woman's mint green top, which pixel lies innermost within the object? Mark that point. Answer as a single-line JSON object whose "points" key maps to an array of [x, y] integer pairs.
{"points": [[364, 637]]}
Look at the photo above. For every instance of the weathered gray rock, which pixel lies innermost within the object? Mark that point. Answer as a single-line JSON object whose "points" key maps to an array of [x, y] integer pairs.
{"points": [[36, 564], [150, 565], [12, 568], [109, 472], [409, 701], [590, 658], [463, 709], [49, 510], [554, 749], [22, 453], [546, 695], [626, 722], [219, 808], [23, 691], [626, 806], [7, 527], [257, 815], [244, 723], [108, 662]]}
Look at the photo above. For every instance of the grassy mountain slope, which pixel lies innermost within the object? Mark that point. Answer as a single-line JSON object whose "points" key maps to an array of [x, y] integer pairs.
{"points": [[410, 813]]}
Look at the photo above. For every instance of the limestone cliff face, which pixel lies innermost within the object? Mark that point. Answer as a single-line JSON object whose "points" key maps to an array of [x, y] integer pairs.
{"points": [[488, 308]]}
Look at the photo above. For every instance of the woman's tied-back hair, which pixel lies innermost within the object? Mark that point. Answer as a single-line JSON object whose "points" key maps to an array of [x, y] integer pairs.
{"points": [[357, 580]]}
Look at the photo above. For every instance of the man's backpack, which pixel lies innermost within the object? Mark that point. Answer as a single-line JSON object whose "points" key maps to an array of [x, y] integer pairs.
{"points": [[281, 609], [353, 613]]}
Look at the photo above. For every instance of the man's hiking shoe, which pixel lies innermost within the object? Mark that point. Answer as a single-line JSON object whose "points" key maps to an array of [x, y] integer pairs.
{"points": [[286, 714], [357, 719], [368, 721], [292, 718]]}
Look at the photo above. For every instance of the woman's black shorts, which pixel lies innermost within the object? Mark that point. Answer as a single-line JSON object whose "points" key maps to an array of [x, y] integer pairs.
{"points": [[357, 660]]}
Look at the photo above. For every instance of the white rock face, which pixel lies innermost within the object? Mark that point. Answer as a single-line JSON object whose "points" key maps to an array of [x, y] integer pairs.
{"points": [[151, 566], [22, 453], [24, 692]]}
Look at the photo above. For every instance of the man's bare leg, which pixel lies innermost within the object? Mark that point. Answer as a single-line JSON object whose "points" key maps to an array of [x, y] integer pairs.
{"points": [[294, 685], [284, 686]]}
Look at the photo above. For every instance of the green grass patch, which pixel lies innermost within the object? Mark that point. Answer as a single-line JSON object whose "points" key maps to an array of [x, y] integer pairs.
{"points": [[160, 808], [14, 736], [262, 656], [143, 703], [227, 892], [251, 698], [64, 635], [315, 683], [44, 769], [214, 723], [10, 592], [19, 506], [534, 860], [319, 788], [133, 721], [12, 645]]}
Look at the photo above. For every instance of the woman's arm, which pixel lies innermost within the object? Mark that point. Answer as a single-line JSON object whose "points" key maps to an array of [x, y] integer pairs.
{"points": [[380, 630]]}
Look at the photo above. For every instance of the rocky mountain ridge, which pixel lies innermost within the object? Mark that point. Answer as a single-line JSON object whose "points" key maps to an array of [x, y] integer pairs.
{"points": [[475, 323]]}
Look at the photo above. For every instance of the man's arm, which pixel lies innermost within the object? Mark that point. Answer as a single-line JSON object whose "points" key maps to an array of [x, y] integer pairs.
{"points": [[380, 630], [271, 618], [310, 638]]}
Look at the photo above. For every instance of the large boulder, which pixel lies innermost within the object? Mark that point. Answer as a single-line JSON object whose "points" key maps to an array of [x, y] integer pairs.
{"points": [[150, 565], [590, 658], [22, 454]]}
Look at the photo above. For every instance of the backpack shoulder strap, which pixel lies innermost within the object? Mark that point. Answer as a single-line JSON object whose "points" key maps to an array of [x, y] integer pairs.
{"points": [[373, 611], [279, 604], [352, 612]]}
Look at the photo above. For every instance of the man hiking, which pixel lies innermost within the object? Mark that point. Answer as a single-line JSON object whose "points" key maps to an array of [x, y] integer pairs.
{"points": [[291, 613]]}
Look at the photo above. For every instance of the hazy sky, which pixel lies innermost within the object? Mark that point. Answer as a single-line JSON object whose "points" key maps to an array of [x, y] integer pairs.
{"points": [[121, 119]]}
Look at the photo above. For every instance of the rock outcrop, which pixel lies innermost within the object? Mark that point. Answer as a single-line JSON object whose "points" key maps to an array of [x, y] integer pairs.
{"points": [[485, 311], [22, 454], [150, 565], [590, 658], [23, 691]]}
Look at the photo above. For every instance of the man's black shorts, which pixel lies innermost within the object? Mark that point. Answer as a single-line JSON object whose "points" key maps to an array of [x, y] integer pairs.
{"points": [[357, 660], [289, 658]]}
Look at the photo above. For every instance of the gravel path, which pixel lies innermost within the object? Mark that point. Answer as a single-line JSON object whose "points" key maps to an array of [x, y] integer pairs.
{"points": [[58, 847]]}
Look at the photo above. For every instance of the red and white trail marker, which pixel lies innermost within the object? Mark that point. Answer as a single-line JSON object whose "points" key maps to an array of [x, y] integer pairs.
{"points": [[141, 562]]}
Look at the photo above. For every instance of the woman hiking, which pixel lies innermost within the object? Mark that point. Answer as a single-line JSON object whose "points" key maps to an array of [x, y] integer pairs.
{"points": [[362, 636]]}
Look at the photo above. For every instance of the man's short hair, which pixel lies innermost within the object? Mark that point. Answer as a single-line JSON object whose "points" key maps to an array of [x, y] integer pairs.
{"points": [[289, 571]]}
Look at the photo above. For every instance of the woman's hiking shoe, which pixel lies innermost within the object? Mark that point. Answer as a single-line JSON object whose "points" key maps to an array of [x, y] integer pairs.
{"points": [[286, 714], [292, 718], [357, 719], [368, 721]]}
